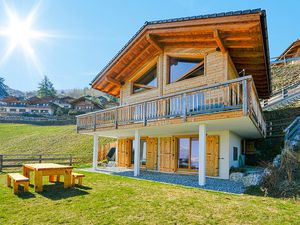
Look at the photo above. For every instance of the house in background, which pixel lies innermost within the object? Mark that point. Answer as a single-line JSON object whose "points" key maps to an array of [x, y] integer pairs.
{"points": [[183, 106], [63, 102], [15, 106], [291, 55], [85, 104]]}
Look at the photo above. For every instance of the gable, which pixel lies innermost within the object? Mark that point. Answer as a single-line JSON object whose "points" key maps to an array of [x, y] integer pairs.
{"points": [[241, 34]]}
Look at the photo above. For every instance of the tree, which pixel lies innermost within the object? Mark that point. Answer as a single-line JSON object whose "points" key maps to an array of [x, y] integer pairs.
{"points": [[3, 92], [46, 88]]}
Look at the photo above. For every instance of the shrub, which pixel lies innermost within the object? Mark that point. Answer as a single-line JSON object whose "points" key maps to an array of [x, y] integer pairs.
{"points": [[284, 180]]}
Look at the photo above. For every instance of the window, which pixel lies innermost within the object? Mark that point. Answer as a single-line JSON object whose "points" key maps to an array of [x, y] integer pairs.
{"points": [[143, 151], [22, 110], [235, 153], [188, 153], [13, 110], [181, 69], [146, 82]]}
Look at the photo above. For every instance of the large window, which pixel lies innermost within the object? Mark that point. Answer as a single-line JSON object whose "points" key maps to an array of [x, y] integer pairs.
{"points": [[143, 152], [181, 69], [188, 153], [146, 82]]}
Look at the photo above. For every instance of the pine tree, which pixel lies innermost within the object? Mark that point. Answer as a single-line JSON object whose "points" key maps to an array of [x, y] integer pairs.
{"points": [[46, 88], [3, 92]]}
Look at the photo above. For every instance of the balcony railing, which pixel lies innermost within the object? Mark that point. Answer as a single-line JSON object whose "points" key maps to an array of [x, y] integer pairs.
{"points": [[237, 94]]}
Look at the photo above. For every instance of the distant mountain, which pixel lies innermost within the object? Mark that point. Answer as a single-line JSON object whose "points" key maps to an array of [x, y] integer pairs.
{"points": [[14, 92]]}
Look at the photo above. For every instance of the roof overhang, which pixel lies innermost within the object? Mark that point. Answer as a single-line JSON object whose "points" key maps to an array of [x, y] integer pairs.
{"points": [[242, 34]]}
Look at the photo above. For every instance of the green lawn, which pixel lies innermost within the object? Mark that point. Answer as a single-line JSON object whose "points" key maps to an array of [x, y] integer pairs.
{"points": [[109, 199], [24, 138]]}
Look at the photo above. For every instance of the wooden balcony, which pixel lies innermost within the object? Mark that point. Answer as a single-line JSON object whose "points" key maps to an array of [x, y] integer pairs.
{"points": [[238, 95]]}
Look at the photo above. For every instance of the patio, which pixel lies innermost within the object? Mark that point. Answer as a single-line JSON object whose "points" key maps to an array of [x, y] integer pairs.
{"points": [[214, 184]]}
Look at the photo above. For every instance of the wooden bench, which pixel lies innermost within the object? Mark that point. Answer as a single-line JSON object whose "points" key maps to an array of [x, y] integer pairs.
{"points": [[77, 176], [17, 180]]}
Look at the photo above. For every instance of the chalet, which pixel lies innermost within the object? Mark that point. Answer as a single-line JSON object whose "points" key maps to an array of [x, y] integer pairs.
{"points": [[63, 102], [291, 55], [34, 105], [85, 104], [189, 91]]}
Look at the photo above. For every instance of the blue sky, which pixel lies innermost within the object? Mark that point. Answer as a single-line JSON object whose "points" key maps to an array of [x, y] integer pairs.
{"points": [[85, 35]]}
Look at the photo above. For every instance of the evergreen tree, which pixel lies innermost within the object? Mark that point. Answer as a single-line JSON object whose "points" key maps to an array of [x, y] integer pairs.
{"points": [[3, 92], [46, 88]]}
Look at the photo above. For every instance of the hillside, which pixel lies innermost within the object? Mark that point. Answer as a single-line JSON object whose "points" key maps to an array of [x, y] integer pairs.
{"points": [[21, 138]]}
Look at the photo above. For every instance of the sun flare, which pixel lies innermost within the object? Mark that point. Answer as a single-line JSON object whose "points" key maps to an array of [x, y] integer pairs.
{"points": [[21, 34]]}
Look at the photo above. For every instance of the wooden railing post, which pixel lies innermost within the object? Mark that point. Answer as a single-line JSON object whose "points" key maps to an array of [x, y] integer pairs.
{"points": [[145, 113], [116, 118], [245, 97], [1, 162], [94, 119], [183, 105]]}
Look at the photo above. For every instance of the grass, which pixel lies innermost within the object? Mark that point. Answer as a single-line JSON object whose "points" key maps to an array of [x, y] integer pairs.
{"points": [[109, 199], [24, 138]]}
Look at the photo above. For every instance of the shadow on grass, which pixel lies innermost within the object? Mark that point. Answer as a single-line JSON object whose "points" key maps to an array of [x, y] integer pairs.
{"points": [[57, 191], [24, 195]]}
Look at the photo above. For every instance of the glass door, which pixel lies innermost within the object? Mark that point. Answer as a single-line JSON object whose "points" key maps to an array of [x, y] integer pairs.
{"points": [[143, 151], [188, 154]]}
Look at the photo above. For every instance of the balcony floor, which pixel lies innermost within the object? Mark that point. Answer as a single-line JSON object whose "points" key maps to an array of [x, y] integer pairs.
{"points": [[241, 125]]}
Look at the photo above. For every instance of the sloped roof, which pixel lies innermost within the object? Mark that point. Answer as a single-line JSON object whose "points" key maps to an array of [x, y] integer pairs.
{"points": [[259, 50], [291, 51]]}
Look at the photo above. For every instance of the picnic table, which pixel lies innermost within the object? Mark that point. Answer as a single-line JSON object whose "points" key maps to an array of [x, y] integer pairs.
{"points": [[48, 169]]}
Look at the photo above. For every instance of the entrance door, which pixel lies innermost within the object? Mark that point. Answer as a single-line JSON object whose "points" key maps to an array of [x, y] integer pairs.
{"points": [[188, 154], [212, 155]]}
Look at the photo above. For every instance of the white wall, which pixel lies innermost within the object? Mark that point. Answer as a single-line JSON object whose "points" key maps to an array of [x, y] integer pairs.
{"points": [[234, 141]]}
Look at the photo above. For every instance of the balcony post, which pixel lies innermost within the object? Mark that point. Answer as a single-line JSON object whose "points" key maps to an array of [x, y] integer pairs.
{"points": [[145, 113], [137, 154], [94, 120], [116, 118], [245, 97], [95, 152], [183, 105], [202, 155]]}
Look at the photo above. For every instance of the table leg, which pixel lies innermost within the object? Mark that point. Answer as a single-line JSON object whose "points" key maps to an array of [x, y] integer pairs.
{"points": [[26, 172], [38, 181], [68, 178]]}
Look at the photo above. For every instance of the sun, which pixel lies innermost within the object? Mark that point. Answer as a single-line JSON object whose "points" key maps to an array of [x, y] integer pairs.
{"points": [[20, 33]]}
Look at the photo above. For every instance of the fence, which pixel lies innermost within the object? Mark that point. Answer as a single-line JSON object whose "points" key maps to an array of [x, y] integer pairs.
{"points": [[17, 160]]}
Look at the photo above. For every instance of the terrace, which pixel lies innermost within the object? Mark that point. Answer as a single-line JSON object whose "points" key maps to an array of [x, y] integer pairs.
{"points": [[230, 99]]}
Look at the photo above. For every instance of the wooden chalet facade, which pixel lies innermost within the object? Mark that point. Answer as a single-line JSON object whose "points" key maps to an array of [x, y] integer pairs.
{"points": [[189, 92]]}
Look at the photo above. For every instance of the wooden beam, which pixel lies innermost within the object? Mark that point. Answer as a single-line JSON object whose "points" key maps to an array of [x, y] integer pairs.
{"points": [[143, 86], [112, 81], [219, 41], [153, 42], [136, 58]]}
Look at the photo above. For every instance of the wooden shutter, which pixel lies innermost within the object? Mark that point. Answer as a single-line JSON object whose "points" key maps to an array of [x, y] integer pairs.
{"points": [[124, 152], [151, 154], [212, 155], [168, 147]]}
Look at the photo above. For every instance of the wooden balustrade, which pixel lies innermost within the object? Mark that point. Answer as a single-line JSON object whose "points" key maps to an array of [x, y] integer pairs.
{"points": [[234, 94]]}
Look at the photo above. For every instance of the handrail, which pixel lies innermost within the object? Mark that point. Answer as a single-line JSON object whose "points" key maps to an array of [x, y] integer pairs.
{"points": [[236, 94], [292, 124], [249, 77]]}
